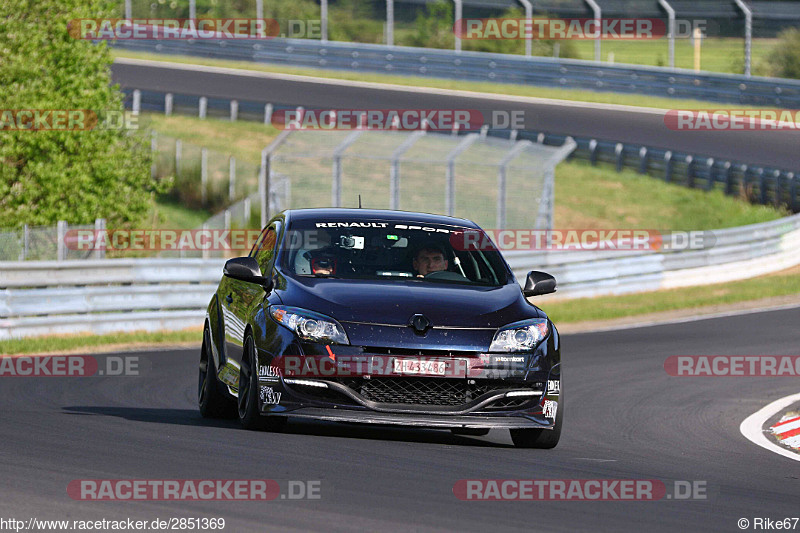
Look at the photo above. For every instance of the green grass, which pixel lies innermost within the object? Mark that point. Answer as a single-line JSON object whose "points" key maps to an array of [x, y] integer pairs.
{"points": [[598, 197], [169, 214], [439, 83], [716, 54], [94, 342], [609, 307]]}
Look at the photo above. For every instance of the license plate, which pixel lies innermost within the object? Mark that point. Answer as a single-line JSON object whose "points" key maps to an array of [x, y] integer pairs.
{"points": [[420, 367]]}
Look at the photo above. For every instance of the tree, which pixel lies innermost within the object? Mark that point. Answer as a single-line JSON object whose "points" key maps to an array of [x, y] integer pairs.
{"points": [[53, 175], [784, 61]]}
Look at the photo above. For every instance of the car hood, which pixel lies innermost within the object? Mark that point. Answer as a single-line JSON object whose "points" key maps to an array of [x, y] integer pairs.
{"points": [[395, 302]]}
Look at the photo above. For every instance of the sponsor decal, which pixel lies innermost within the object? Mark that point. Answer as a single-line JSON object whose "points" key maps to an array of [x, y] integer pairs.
{"points": [[269, 396], [549, 409], [267, 371], [553, 386], [509, 359], [351, 224]]}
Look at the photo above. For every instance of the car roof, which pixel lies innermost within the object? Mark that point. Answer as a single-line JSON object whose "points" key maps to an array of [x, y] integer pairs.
{"points": [[341, 214]]}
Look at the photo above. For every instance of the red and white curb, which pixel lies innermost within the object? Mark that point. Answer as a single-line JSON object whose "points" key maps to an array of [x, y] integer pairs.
{"points": [[787, 431], [752, 426]]}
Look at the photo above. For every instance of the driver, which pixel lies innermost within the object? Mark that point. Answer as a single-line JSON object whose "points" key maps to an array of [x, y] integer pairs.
{"points": [[429, 258]]}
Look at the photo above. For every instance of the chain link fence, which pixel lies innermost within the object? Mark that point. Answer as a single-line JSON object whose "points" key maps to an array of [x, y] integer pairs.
{"points": [[498, 183]]}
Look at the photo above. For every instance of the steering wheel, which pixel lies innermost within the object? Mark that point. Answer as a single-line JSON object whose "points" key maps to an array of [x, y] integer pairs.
{"points": [[445, 275]]}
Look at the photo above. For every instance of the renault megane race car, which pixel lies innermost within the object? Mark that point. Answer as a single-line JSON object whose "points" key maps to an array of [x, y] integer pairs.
{"points": [[381, 317]]}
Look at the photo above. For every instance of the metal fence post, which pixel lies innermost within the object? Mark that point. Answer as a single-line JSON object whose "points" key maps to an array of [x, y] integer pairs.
{"points": [[794, 203], [227, 218], [778, 191], [745, 184], [458, 15], [748, 34], [247, 212], [26, 241], [670, 31], [710, 169], [268, 114], [178, 156], [204, 175], [153, 153], [202, 107], [668, 166], [728, 178], [598, 15], [234, 110], [323, 15], [263, 186], [642, 160], [690, 171], [168, 104], [231, 178], [619, 151], [528, 16], [762, 186], [593, 152], [61, 232], [390, 22], [99, 227], [136, 106]]}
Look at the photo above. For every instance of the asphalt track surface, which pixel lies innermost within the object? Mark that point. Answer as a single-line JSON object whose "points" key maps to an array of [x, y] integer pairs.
{"points": [[777, 149], [625, 419]]}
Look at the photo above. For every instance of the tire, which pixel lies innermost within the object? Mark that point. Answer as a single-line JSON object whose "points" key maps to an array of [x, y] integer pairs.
{"points": [[247, 405], [540, 438], [211, 400], [471, 432]]}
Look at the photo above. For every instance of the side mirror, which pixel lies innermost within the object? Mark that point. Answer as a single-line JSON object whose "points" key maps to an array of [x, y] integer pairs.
{"points": [[246, 269], [539, 283]]}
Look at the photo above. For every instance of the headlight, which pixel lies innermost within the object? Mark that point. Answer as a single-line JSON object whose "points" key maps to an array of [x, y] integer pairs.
{"points": [[520, 336], [308, 325]]}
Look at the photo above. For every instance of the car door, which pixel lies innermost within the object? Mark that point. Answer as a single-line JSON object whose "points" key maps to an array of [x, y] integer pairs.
{"points": [[238, 299]]}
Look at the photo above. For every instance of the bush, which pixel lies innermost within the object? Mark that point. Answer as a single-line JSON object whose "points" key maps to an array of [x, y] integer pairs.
{"points": [[53, 175], [784, 61]]}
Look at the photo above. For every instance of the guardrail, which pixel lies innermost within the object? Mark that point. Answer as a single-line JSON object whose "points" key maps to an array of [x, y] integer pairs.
{"points": [[759, 184], [101, 296], [482, 66]]}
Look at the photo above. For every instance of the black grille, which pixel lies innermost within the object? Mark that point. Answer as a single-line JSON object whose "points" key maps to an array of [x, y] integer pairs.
{"points": [[421, 391], [509, 403]]}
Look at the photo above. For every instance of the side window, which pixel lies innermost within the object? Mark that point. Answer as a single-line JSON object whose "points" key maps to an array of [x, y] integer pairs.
{"points": [[266, 251]]}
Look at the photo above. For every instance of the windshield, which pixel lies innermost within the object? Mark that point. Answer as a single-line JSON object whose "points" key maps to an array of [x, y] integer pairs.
{"points": [[387, 250]]}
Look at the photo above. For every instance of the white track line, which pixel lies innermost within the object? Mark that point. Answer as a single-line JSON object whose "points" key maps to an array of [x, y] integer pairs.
{"points": [[386, 86], [752, 426]]}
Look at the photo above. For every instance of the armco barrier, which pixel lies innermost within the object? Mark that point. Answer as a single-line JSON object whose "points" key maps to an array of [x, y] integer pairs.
{"points": [[101, 296], [481, 66]]}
